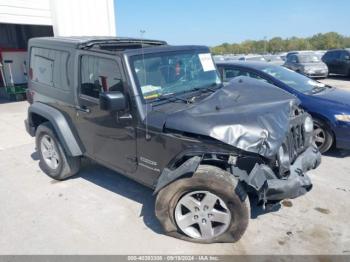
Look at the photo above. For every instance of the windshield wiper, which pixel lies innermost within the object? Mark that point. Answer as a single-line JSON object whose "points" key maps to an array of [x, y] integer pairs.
{"points": [[318, 89], [209, 88], [170, 98]]}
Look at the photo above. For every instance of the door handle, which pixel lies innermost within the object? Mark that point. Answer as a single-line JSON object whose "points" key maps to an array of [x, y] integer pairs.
{"points": [[83, 109]]}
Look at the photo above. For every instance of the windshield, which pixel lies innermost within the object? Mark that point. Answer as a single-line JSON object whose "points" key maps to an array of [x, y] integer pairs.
{"points": [[171, 73], [294, 80], [309, 58]]}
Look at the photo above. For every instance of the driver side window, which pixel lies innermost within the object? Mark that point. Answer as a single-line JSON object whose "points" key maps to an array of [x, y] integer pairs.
{"points": [[293, 59], [345, 56], [99, 75]]}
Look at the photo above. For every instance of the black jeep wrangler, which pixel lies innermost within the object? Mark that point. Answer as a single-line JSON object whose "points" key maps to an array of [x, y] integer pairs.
{"points": [[160, 115]]}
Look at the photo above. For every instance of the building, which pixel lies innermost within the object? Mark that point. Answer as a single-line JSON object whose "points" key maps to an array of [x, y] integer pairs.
{"points": [[21, 20]]}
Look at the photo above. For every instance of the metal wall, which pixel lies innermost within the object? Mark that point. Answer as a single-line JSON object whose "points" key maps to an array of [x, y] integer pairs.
{"points": [[68, 17], [33, 12], [83, 17]]}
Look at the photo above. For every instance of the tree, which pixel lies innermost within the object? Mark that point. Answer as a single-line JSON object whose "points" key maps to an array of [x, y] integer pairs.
{"points": [[277, 44]]}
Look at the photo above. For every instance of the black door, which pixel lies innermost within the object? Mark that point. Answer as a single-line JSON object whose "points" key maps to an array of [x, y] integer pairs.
{"points": [[108, 137], [344, 63], [336, 62]]}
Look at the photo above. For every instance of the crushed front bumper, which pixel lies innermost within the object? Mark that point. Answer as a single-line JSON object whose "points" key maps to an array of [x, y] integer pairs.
{"points": [[271, 188]]}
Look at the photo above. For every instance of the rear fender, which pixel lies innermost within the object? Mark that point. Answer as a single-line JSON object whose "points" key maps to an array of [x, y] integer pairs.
{"points": [[60, 124]]}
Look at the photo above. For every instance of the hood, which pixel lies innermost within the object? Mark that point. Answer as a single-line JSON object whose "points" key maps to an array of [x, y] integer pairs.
{"points": [[248, 114], [315, 65], [335, 95]]}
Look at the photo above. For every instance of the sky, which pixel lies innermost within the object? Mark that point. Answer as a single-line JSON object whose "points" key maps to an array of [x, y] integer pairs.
{"points": [[212, 22]]}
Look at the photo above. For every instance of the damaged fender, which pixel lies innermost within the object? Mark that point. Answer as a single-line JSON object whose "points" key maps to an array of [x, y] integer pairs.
{"points": [[167, 176]]}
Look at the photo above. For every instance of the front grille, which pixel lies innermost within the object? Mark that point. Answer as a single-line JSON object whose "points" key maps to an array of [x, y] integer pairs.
{"points": [[296, 140]]}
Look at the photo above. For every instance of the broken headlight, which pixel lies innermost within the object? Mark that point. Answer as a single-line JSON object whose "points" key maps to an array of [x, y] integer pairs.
{"points": [[308, 124], [283, 159]]}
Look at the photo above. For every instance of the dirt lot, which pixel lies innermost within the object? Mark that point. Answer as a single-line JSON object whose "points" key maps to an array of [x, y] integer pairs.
{"points": [[101, 212]]}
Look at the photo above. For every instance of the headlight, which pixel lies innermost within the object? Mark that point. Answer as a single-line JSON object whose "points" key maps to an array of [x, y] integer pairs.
{"points": [[344, 118], [308, 124], [283, 156]]}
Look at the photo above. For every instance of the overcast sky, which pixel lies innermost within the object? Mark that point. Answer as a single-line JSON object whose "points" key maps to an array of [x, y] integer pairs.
{"points": [[212, 22]]}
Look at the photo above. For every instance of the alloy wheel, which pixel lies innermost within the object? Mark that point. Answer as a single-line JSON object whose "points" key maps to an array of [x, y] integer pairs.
{"points": [[319, 135], [202, 215], [49, 152]]}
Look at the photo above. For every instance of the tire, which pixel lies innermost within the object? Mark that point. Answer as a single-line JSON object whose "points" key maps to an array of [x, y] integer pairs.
{"points": [[323, 136], [47, 143], [214, 182]]}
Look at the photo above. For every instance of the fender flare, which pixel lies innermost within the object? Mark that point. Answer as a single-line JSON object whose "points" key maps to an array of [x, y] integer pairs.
{"points": [[60, 125], [167, 176]]}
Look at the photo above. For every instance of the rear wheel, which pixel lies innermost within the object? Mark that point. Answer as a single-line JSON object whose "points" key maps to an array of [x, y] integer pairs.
{"points": [[209, 207], [53, 159], [323, 136]]}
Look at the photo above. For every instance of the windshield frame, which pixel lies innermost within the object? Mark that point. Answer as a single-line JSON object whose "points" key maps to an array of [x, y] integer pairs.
{"points": [[133, 55]]}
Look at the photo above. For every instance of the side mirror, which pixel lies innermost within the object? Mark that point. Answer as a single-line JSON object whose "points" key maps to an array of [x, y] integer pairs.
{"points": [[112, 101]]}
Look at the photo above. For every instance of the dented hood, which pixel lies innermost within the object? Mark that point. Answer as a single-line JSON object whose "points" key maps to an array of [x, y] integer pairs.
{"points": [[248, 114]]}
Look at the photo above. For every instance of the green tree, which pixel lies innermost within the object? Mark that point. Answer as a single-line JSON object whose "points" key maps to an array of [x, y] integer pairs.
{"points": [[277, 44]]}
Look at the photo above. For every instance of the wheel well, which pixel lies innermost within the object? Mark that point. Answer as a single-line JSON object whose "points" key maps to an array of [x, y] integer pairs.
{"points": [[37, 120], [217, 160]]}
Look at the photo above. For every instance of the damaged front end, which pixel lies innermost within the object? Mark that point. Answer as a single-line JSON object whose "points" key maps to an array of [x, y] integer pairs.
{"points": [[286, 175], [268, 138], [271, 187]]}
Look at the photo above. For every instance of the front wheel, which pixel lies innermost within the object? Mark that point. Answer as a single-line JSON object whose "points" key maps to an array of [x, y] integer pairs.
{"points": [[209, 207], [323, 136]]}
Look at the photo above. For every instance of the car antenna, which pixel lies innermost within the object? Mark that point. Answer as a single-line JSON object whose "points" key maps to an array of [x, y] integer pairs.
{"points": [[142, 32]]}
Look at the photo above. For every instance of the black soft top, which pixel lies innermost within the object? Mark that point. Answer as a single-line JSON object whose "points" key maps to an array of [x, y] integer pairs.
{"points": [[107, 43]]}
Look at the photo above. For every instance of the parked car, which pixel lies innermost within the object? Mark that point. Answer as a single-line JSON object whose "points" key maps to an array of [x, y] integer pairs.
{"points": [[252, 58], [329, 106], [338, 61], [308, 64], [274, 59], [160, 115], [295, 52], [320, 52]]}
